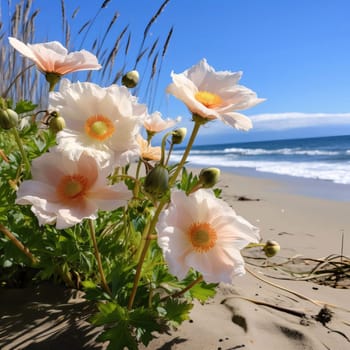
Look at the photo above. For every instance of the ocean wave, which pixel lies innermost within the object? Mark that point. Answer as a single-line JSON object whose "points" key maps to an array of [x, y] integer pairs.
{"points": [[335, 172], [261, 151]]}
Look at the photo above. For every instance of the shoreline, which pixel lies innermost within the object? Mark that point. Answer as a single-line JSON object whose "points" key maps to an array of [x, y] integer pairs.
{"points": [[317, 188], [302, 223]]}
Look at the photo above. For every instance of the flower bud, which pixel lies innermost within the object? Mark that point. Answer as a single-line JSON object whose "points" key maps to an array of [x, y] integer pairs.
{"points": [[157, 181], [57, 124], [52, 79], [131, 79], [178, 135], [271, 248], [208, 177], [8, 118]]}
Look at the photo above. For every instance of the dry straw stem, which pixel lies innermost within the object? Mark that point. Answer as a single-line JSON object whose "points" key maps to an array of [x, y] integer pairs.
{"points": [[29, 84], [316, 302], [18, 243], [148, 27], [333, 270]]}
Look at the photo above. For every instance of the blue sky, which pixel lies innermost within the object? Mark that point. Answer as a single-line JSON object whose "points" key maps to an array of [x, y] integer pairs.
{"points": [[294, 53]]}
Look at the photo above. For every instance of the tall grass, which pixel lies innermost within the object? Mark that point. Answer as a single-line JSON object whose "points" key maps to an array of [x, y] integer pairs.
{"points": [[20, 19]]}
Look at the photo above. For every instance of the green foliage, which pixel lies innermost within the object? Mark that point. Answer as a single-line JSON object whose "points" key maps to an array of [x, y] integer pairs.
{"points": [[203, 291], [127, 328], [131, 259], [177, 311], [25, 106], [68, 256], [188, 181]]}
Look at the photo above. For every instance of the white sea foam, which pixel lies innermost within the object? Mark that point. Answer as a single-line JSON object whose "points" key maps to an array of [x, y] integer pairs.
{"points": [[335, 172], [261, 151], [326, 158]]}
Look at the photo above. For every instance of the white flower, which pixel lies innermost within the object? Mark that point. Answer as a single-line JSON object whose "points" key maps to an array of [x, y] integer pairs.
{"points": [[147, 152], [52, 57], [101, 121], [65, 191], [155, 123], [214, 95], [202, 232]]}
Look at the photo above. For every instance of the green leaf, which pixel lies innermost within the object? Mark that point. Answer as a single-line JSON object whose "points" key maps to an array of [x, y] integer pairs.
{"points": [[145, 322], [203, 291], [93, 291], [119, 338], [177, 311], [24, 106], [110, 313]]}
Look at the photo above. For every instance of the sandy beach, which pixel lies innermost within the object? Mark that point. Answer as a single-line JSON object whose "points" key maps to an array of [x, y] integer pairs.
{"points": [[266, 308], [262, 310]]}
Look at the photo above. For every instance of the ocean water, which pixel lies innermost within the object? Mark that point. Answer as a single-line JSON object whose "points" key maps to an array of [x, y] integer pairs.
{"points": [[321, 158]]}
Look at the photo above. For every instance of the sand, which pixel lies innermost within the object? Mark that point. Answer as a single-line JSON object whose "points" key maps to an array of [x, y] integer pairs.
{"points": [[264, 309]]}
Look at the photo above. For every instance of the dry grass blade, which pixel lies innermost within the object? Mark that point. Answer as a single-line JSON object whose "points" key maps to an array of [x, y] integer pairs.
{"points": [[67, 34], [152, 20], [105, 3], [166, 44], [75, 12], [127, 45], [94, 44], [119, 75], [111, 23], [332, 271], [30, 24], [139, 57], [148, 27], [82, 28], [154, 65], [153, 47], [26, 10], [63, 15], [22, 24], [111, 57]]}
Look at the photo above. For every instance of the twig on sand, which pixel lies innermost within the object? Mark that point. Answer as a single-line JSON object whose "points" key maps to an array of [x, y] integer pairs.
{"points": [[315, 302]]}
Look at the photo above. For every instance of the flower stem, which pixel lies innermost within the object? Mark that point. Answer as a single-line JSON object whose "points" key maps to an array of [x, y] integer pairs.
{"points": [[163, 145], [21, 149], [179, 167], [138, 168], [143, 254], [18, 244], [169, 154], [184, 290], [98, 257]]}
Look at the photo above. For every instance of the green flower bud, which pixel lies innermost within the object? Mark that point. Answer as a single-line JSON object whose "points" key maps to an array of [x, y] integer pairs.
{"points": [[8, 118], [271, 248], [52, 79], [178, 135], [157, 182], [208, 177], [131, 79], [57, 124]]}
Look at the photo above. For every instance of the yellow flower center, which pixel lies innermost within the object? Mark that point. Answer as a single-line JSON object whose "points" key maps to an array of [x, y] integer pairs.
{"points": [[99, 127], [202, 236], [72, 187], [208, 99]]}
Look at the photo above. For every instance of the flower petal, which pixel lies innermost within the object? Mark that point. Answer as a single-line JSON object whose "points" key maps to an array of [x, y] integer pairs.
{"points": [[237, 120]]}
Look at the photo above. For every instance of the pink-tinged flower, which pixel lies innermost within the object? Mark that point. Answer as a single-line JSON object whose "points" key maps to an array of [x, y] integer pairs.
{"points": [[202, 232], [214, 95], [66, 192], [148, 152], [101, 121], [52, 57], [155, 123]]}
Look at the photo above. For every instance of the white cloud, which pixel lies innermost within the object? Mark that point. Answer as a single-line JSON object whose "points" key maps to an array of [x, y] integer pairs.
{"points": [[293, 120]]}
